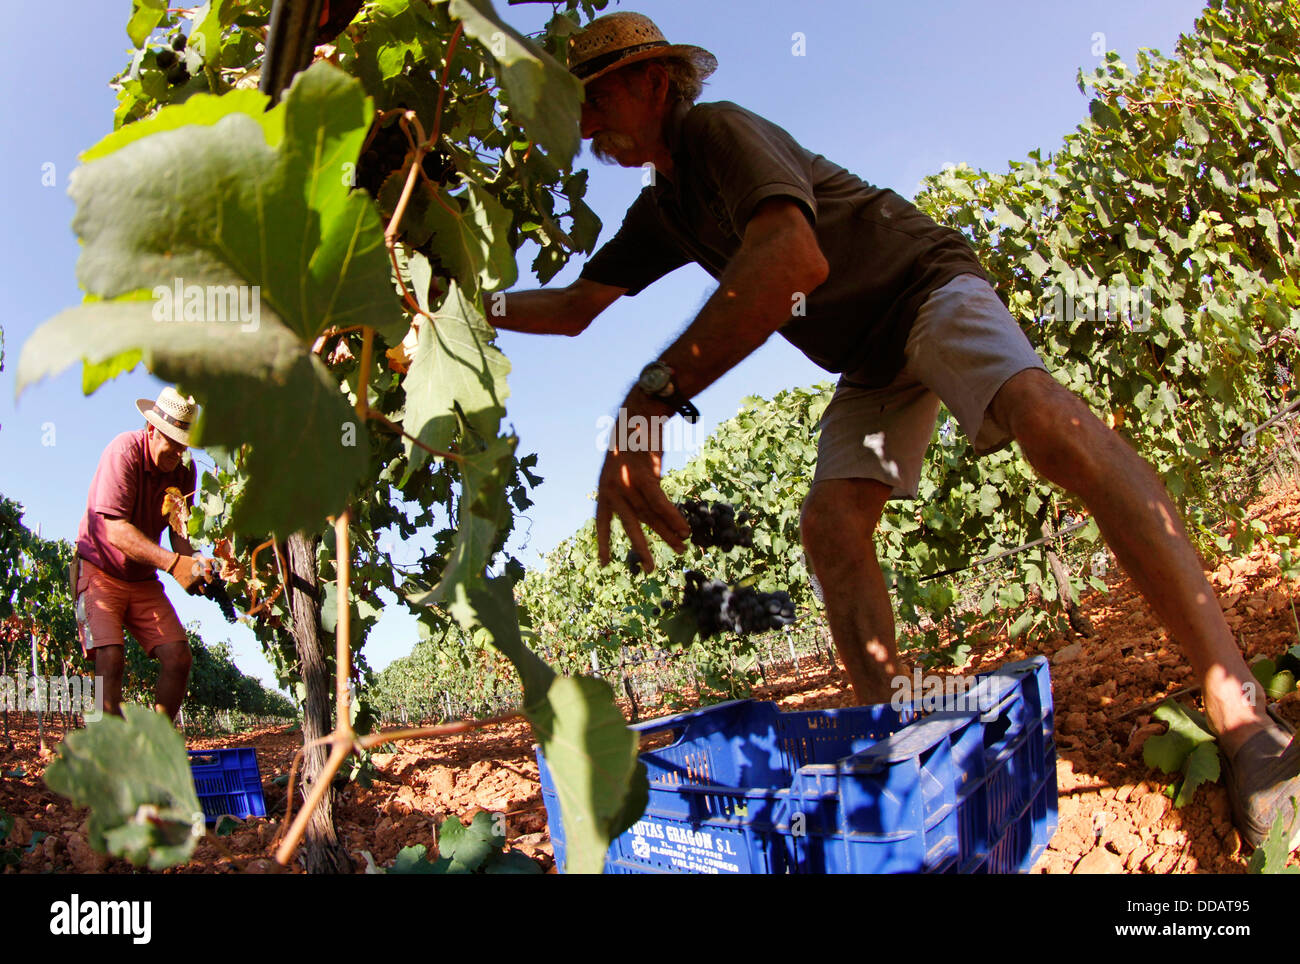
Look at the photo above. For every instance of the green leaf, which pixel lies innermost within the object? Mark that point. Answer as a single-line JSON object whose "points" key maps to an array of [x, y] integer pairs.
{"points": [[591, 753], [203, 110], [473, 243], [1272, 855], [215, 204], [134, 775], [1202, 766], [262, 387], [483, 512], [145, 15], [1280, 685], [1169, 751], [1186, 722], [411, 860], [544, 98], [454, 364], [468, 847], [511, 862], [1103, 115]]}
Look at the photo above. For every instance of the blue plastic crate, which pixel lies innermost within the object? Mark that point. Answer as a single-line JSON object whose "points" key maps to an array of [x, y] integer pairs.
{"points": [[745, 788], [228, 782]]}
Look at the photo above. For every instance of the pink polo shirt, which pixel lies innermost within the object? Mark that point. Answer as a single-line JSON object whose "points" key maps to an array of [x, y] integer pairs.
{"points": [[129, 485]]}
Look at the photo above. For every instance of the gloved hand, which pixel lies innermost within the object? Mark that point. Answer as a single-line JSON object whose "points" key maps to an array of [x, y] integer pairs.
{"points": [[191, 572]]}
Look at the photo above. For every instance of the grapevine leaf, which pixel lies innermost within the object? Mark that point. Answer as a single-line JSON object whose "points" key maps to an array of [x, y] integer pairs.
{"points": [[584, 738], [1202, 766], [468, 847], [261, 387], [1166, 752], [1271, 856], [482, 513], [201, 109], [1182, 722], [145, 15], [215, 204], [1280, 685], [411, 860], [511, 862], [454, 364], [545, 99], [134, 775], [473, 243], [592, 755]]}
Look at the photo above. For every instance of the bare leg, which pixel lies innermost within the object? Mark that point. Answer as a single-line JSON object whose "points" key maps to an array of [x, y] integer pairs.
{"points": [[1068, 445], [838, 520], [109, 661], [173, 677]]}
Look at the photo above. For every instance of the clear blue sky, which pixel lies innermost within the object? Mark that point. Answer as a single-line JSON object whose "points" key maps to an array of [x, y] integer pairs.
{"points": [[891, 91]]}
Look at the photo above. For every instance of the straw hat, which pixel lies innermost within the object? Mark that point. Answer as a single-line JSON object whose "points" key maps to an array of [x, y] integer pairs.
{"points": [[618, 39], [172, 414]]}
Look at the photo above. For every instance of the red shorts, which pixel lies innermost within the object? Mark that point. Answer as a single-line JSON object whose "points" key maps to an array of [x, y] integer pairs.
{"points": [[106, 604]]}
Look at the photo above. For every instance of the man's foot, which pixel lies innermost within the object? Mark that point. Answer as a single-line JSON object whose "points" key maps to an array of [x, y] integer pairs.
{"points": [[1263, 782]]}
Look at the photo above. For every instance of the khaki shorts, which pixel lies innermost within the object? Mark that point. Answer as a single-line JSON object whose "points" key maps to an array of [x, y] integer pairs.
{"points": [[963, 347], [106, 604]]}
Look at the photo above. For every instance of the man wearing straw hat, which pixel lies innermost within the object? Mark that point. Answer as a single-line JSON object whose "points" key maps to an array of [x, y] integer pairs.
{"points": [[118, 555], [867, 286]]}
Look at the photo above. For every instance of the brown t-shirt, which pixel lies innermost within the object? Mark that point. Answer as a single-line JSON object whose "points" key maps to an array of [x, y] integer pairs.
{"points": [[885, 256], [129, 485]]}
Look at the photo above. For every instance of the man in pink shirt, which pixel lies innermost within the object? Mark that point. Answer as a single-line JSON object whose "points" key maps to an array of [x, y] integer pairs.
{"points": [[119, 555]]}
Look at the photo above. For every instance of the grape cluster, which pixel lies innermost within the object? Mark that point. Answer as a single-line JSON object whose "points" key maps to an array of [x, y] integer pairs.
{"points": [[172, 64], [1281, 374], [717, 524], [719, 608], [386, 154], [216, 591]]}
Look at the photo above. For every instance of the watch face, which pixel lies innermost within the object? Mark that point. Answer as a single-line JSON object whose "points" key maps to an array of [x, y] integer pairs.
{"points": [[654, 378]]}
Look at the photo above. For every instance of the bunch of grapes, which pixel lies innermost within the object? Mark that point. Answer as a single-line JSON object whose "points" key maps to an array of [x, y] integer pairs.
{"points": [[717, 524], [1281, 375], [719, 608], [172, 64], [386, 155], [216, 591]]}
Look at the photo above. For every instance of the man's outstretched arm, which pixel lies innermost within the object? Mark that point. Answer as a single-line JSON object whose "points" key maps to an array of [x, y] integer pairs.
{"points": [[562, 311], [779, 260], [135, 545], [779, 264]]}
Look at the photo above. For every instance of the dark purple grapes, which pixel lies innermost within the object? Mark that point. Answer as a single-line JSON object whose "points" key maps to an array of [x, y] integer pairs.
{"points": [[717, 524], [386, 155], [216, 591], [719, 608]]}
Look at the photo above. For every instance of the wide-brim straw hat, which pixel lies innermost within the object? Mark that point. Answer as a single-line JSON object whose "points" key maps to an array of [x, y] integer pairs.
{"points": [[172, 414], [619, 39]]}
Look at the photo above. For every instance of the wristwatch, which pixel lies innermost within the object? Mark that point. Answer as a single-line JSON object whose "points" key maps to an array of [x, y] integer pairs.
{"points": [[657, 381]]}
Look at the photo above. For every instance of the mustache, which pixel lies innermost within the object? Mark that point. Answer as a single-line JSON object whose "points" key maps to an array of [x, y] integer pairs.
{"points": [[604, 144]]}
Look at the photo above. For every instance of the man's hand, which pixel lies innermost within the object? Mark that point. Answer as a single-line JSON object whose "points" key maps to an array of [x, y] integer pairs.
{"points": [[629, 488], [189, 571]]}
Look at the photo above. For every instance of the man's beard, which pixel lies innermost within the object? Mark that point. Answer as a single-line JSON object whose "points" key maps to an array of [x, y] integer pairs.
{"points": [[605, 144]]}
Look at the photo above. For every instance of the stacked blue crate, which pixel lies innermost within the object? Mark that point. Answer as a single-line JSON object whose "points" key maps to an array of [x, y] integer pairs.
{"points": [[745, 788]]}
